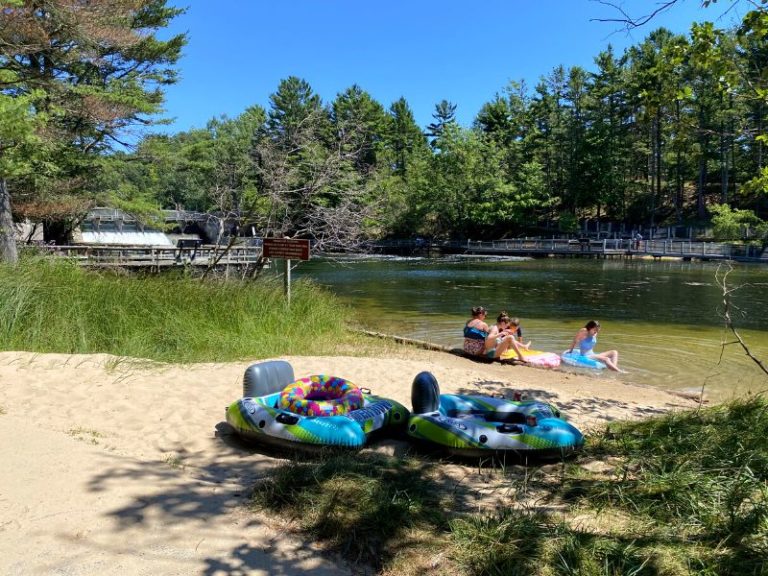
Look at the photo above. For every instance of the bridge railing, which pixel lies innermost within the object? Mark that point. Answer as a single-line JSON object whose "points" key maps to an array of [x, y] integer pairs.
{"points": [[158, 256], [608, 246], [551, 245], [685, 248]]}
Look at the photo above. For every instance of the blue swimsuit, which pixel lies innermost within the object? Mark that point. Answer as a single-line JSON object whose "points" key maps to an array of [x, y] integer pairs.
{"points": [[587, 344]]}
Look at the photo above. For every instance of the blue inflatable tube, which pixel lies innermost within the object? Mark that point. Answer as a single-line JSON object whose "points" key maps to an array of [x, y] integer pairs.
{"points": [[575, 358], [474, 425]]}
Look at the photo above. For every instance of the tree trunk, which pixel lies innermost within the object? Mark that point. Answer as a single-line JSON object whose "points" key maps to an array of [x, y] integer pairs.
{"points": [[678, 168], [701, 210], [724, 172], [657, 160], [8, 251]]}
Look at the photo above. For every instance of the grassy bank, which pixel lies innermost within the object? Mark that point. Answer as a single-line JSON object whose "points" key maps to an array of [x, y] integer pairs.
{"points": [[50, 305], [680, 495]]}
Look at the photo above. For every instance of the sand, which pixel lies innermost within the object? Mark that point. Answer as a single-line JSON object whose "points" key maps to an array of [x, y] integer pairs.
{"points": [[111, 466]]}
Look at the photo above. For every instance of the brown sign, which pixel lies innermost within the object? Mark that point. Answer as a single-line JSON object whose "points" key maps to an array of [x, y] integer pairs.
{"points": [[287, 248]]}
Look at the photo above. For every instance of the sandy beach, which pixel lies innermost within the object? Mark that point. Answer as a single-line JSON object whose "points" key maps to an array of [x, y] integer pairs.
{"points": [[111, 466]]}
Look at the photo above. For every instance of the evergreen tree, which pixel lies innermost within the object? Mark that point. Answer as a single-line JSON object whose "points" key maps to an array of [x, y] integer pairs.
{"points": [[444, 115], [83, 73], [403, 137], [359, 123]]}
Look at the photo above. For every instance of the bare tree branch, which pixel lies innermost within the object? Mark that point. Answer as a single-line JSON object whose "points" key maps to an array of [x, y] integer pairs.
{"points": [[722, 280], [631, 22]]}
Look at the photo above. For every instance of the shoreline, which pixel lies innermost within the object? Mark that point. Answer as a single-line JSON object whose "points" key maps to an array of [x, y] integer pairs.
{"points": [[698, 397]]}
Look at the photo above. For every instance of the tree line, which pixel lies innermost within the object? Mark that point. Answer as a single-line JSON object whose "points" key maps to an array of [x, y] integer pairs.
{"points": [[669, 132]]}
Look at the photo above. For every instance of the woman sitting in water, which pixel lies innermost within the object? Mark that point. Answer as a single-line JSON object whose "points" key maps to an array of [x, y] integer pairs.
{"points": [[586, 338], [480, 340], [476, 332]]}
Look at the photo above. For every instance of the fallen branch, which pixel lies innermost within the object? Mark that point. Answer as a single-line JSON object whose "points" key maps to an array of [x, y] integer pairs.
{"points": [[722, 281]]}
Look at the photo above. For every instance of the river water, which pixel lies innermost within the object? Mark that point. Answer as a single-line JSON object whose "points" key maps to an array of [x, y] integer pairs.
{"points": [[664, 317]]}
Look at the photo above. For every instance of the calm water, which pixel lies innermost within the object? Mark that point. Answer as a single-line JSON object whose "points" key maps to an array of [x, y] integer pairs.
{"points": [[665, 318]]}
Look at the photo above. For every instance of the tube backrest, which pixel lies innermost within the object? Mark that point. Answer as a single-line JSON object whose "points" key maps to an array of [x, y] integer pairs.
{"points": [[425, 393], [267, 377]]}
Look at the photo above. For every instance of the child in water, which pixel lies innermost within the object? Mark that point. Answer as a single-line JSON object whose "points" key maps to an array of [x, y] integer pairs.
{"points": [[500, 339], [517, 333]]}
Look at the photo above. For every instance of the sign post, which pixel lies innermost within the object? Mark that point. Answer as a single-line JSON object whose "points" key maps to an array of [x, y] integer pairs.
{"points": [[288, 249]]}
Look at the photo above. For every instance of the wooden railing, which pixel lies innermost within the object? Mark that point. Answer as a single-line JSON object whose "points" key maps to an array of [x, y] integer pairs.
{"points": [[586, 246], [551, 246], [714, 250], [205, 255], [156, 256]]}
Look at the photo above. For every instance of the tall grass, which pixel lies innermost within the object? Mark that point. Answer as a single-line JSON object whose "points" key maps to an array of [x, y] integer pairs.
{"points": [[51, 305]]}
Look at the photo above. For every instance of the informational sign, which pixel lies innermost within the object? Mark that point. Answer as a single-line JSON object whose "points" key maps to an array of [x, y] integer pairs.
{"points": [[287, 248]]}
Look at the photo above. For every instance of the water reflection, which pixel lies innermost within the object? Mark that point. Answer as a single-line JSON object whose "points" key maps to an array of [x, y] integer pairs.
{"points": [[664, 317]]}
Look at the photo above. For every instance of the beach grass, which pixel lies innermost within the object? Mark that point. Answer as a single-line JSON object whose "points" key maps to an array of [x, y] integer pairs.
{"points": [[367, 506], [682, 494], [53, 305]]}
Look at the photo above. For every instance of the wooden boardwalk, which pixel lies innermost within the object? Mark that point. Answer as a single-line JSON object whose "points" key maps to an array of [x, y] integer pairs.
{"points": [[552, 247], [584, 248], [158, 257], [610, 248]]}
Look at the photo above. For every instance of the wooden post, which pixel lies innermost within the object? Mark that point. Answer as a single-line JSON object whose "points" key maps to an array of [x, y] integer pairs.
{"points": [[287, 280], [288, 249]]}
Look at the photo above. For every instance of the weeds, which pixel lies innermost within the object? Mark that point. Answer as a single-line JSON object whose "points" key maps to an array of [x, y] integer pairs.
{"points": [[85, 434], [174, 461]]}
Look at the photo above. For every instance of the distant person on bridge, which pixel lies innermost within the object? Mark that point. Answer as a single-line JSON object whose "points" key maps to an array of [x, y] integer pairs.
{"points": [[638, 239]]}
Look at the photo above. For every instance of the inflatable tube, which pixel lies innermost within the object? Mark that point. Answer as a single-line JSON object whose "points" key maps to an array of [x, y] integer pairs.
{"points": [[483, 425], [534, 358], [574, 358], [262, 419], [321, 395]]}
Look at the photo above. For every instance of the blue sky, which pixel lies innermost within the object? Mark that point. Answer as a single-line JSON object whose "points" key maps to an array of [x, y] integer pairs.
{"points": [[424, 50]]}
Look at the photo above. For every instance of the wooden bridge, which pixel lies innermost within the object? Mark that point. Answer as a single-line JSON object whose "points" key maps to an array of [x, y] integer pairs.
{"points": [[185, 253], [607, 248], [583, 248], [193, 253]]}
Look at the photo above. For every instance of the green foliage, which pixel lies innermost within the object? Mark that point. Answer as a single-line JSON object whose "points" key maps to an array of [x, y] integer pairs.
{"points": [[362, 122], [651, 136], [445, 116], [732, 224], [75, 75], [568, 223], [50, 305]]}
